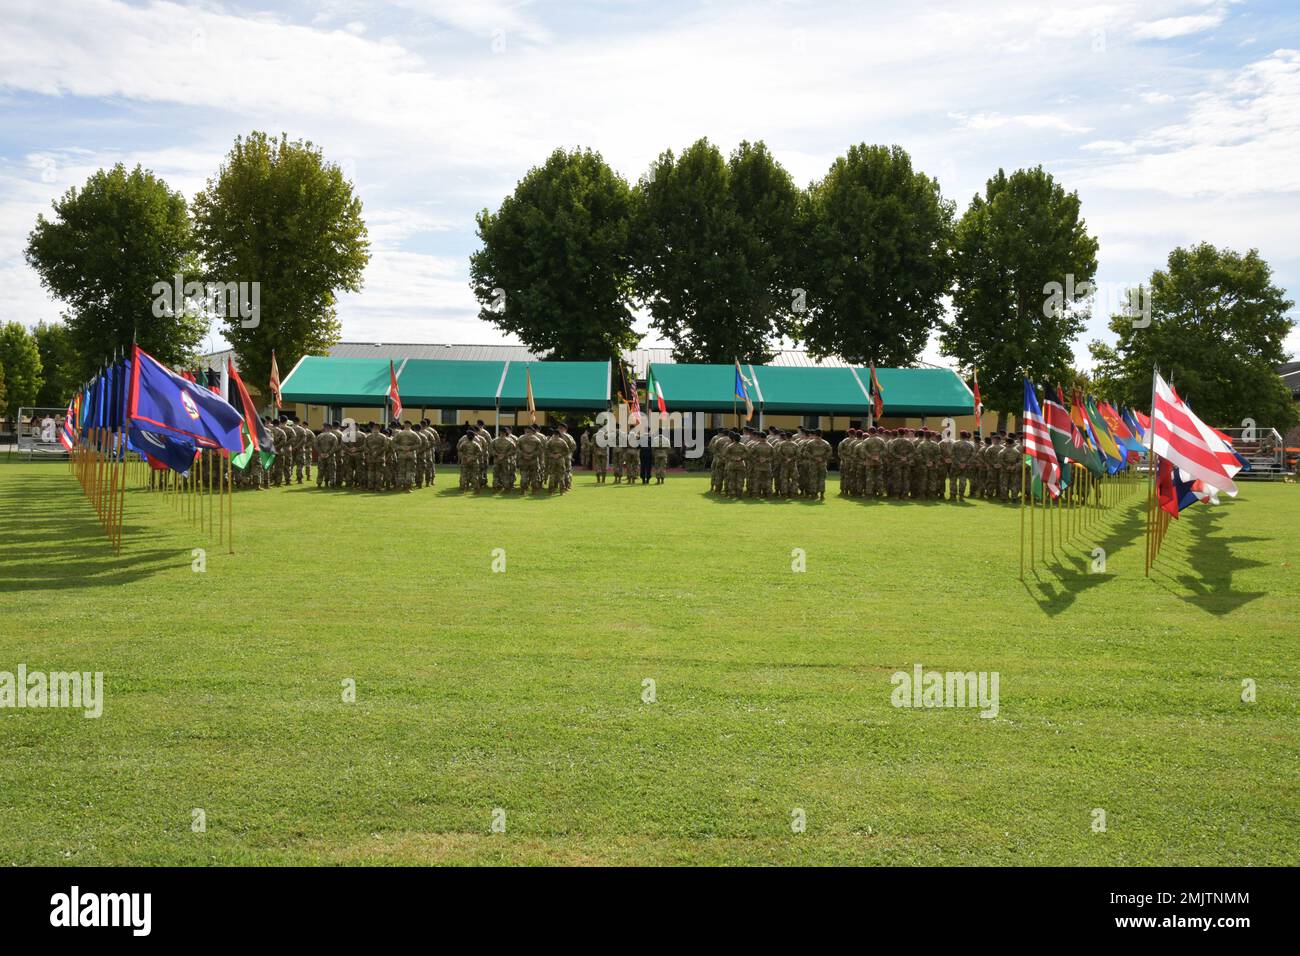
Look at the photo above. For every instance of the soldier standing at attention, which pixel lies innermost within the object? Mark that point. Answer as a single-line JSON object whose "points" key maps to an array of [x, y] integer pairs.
{"points": [[734, 456], [462, 444], [556, 449], [435, 448], [568, 458], [584, 449], [406, 445], [373, 450], [531, 450], [660, 460], [761, 458], [304, 451], [716, 444], [327, 445], [1012, 456], [599, 455], [992, 452], [504, 451], [819, 455], [843, 451], [958, 470]]}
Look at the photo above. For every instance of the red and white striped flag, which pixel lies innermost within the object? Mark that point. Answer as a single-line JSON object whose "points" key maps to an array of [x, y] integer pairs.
{"points": [[1180, 437], [1038, 443]]}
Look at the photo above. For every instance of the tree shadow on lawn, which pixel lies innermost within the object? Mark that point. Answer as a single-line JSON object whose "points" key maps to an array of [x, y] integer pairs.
{"points": [[1204, 562], [1072, 574], [51, 540]]}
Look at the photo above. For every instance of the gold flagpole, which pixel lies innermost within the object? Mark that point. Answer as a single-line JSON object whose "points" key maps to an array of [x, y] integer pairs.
{"points": [[1022, 517], [1033, 505], [230, 500]]}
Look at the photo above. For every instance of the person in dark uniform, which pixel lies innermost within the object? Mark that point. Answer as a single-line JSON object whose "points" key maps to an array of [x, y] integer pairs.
{"points": [[647, 463]]}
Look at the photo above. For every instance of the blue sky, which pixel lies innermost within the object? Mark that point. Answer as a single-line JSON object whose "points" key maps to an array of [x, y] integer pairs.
{"points": [[1176, 121]]}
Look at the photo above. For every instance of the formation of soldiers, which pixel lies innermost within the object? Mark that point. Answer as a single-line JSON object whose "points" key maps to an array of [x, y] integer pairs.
{"points": [[750, 463], [924, 464], [294, 443], [539, 458], [397, 457]]}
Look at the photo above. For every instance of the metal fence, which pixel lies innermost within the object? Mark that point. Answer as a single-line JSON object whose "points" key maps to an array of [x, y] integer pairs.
{"points": [[37, 432]]}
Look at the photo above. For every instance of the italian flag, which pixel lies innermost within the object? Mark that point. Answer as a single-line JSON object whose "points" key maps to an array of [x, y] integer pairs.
{"points": [[654, 392]]}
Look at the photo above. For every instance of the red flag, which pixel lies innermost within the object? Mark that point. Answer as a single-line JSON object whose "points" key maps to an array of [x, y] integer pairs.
{"points": [[877, 405], [1181, 437], [251, 422], [979, 405], [392, 390], [275, 381], [1165, 493]]}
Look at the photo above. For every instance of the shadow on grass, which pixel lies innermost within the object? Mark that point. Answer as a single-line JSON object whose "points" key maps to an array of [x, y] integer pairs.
{"points": [[1206, 564], [1057, 581], [51, 540]]}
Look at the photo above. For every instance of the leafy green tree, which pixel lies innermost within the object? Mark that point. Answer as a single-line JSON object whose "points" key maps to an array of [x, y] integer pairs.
{"points": [[1024, 264], [3, 401], [555, 266], [279, 215], [22, 364], [103, 252], [1217, 328], [716, 263], [60, 364], [876, 259]]}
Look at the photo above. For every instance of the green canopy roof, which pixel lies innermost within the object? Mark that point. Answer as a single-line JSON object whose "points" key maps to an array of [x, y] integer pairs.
{"points": [[784, 390], [921, 391], [317, 380], [446, 383]]}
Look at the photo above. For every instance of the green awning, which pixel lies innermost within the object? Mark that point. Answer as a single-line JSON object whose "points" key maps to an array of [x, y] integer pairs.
{"points": [[319, 380], [786, 390], [448, 383], [699, 388], [557, 385], [921, 391], [444, 383]]}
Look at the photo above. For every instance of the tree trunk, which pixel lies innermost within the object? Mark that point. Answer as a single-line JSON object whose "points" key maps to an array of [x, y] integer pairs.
{"points": [[1002, 421]]}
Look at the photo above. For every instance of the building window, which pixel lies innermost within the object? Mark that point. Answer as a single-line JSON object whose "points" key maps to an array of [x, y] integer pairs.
{"points": [[812, 421], [447, 416]]}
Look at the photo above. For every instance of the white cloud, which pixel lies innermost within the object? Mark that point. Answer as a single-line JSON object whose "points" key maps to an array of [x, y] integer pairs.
{"points": [[1170, 27]]}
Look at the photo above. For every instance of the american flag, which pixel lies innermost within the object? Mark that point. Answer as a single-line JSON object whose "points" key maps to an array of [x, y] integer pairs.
{"points": [[1183, 439], [1038, 443]]}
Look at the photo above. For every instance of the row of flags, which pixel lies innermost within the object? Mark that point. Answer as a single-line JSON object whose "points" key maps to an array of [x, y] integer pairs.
{"points": [[136, 403], [1196, 462]]}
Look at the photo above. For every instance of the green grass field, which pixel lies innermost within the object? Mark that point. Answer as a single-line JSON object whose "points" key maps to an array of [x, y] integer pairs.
{"points": [[523, 690]]}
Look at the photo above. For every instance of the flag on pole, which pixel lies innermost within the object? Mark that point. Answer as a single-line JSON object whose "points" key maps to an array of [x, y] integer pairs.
{"points": [[160, 400], [1038, 443], [877, 404], [1067, 441], [654, 391], [979, 405], [275, 381], [254, 434], [68, 437], [634, 413], [528, 389], [393, 396], [1182, 438], [742, 392], [1106, 441]]}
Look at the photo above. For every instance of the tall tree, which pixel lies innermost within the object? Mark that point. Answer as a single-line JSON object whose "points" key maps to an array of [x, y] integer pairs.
{"points": [[877, 260], [1024, 263], [716, 260], [103, 252], [555, 266], [21, 361], [1217, 328], [279, 215], [60, 364]]}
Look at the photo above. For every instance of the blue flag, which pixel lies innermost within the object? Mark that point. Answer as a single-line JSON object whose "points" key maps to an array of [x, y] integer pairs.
{"points": [[174, 451], [159, 400]]}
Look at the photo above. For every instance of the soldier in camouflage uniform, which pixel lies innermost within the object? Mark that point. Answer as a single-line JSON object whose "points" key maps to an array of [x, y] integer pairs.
{"points": [[435, 446], [734, 457], [530, 451], [563, 429], [963, 453], [899, 462], [374, 448], [660, 455], [872, 453], [599, 455], [468, 458], [585, 449], [305, 448], [505, 451], [327, 446], [405, 447], [844, 452], [819, 457], [1011, 460], [991, 470], [556, 450], [762, 456]]}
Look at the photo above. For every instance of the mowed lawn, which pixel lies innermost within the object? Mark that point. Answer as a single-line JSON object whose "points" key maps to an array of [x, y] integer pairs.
{"points": [[522, 691]]}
